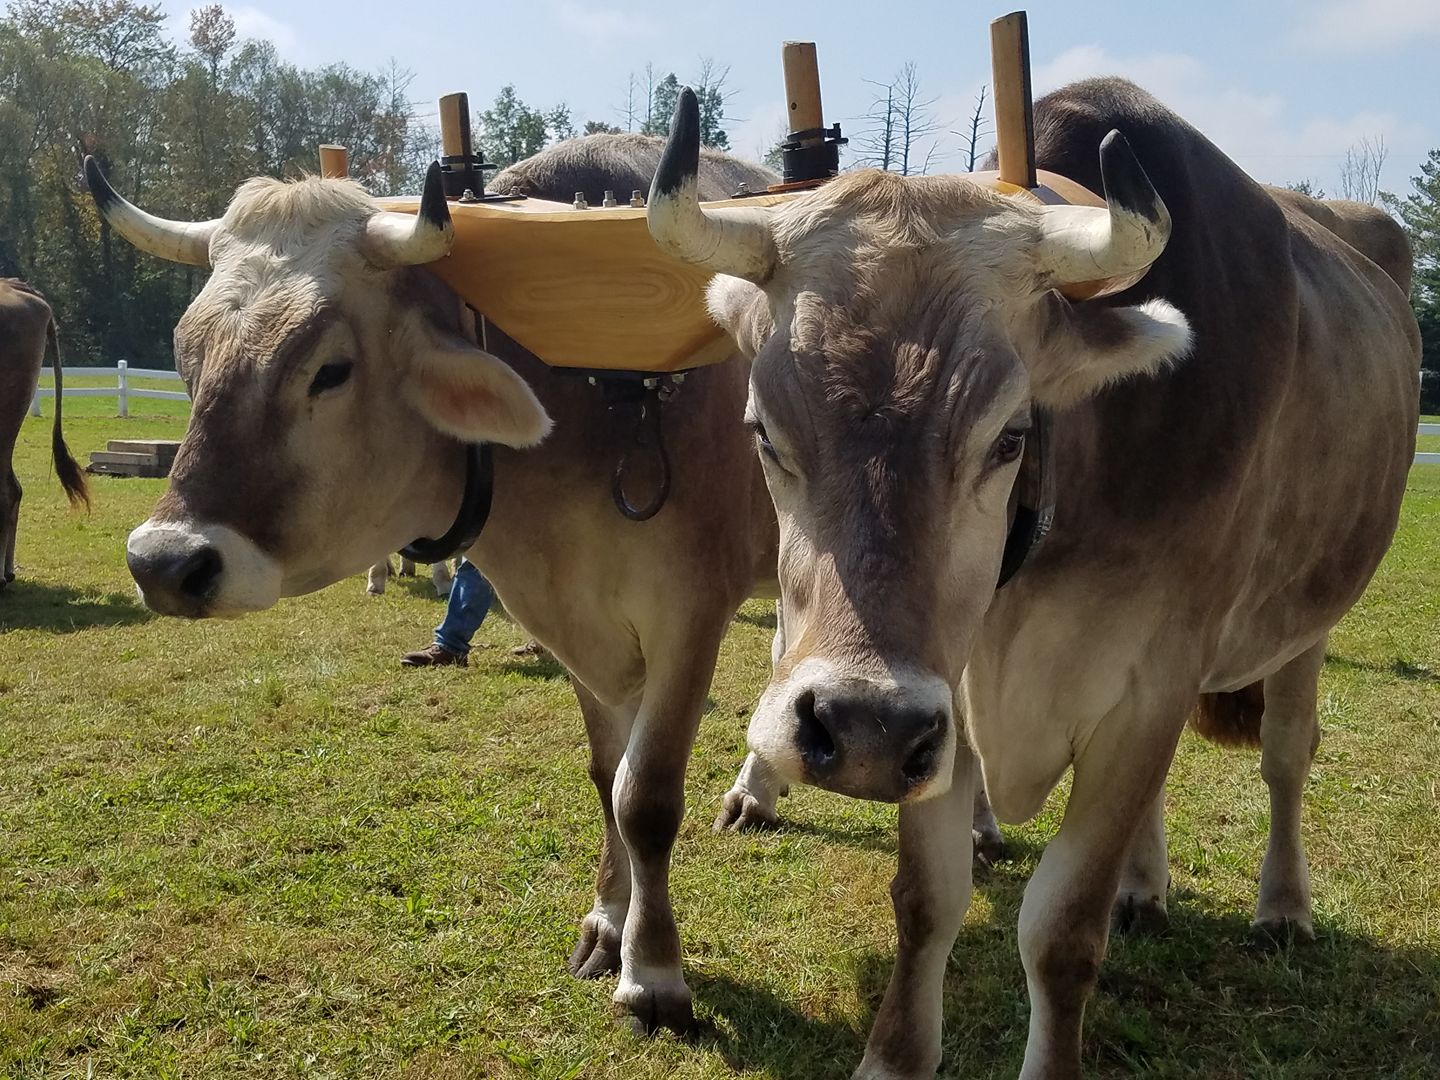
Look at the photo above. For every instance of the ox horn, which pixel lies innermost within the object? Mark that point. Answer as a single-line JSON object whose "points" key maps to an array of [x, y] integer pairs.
{"points": [[1086, 243], [176, 241], [394, 239], [730, 240]]}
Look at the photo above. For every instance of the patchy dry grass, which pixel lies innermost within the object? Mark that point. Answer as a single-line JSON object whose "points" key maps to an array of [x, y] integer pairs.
{"points": [[261, 849]]}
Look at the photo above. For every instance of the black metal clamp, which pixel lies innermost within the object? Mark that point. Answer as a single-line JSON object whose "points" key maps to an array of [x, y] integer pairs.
{"points": [[812, 154]]}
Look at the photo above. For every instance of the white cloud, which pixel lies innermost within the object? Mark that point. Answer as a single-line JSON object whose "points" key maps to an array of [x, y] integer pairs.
{"points": [[601, 26], [1259, 131], [1363, 25]]}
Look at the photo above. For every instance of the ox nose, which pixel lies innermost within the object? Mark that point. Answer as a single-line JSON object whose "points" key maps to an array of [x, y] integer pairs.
{"points": [[176, 578], [851, 743]]}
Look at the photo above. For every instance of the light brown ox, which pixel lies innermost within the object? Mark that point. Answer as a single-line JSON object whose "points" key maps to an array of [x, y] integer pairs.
{"points": [[26, 325], [1227, 481], [332, 380]]}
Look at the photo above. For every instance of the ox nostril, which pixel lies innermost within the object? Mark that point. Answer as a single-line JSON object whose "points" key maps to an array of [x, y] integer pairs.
{"points": [[924, 753], [813, 735], [199, 573]]}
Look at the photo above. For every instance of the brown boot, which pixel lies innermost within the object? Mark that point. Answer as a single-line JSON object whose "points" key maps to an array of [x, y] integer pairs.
{"points": [[434, 656]]}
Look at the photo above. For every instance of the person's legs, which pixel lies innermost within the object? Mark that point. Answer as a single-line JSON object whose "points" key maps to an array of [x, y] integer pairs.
{"points": [[469, 602]]}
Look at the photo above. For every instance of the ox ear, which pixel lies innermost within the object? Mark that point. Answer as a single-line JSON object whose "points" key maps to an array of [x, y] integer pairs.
{"points": [[468, 393], [742, 310], [1079, 348]]}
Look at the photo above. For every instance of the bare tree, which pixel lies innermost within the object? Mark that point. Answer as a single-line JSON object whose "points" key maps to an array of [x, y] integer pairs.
{"points": [[916, 121], [629, 111], [974, 131], [876, 143], [649, 96], [900, 121], [1360, 172], [710, 90]]}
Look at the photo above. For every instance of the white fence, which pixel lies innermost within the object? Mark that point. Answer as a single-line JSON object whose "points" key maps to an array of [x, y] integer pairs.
{"points": [[122, 390], [1428, 459]]}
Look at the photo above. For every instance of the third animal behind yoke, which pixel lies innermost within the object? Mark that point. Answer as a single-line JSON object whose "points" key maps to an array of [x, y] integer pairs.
{"points": [[902, 341]]}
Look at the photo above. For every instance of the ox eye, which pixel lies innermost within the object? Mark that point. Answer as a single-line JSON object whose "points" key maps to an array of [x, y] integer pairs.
{"points": [[766, 447], [1008, 446], [330, 376]]}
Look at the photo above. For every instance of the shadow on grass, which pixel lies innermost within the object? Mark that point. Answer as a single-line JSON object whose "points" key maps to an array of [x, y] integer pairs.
{"points": [[542, 666], [31, 605], [865, 837], [419, 586], [765, 621], [772, 1036], [1200, 1000], [1398, 668]]}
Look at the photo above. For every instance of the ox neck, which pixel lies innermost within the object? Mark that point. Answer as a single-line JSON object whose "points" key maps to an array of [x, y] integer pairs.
{"points": [[1035, 498], [475, 500]]}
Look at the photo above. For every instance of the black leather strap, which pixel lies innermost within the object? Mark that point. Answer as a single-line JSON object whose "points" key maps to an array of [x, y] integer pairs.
{"points": [[1035, 510], [474, 510]]}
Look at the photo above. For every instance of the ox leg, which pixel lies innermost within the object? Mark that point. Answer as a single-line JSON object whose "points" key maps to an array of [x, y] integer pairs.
{"points": [[931, 893], [750, 802], [441, 578], [407, 567], [1140, 904], [985, 832], [649, 806], [598, 950], [1065, 916], [1289, 736], [375, 579], [9, 526]]}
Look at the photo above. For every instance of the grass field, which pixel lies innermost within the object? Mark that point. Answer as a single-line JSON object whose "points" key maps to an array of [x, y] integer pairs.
{"points": [[260, 849]]}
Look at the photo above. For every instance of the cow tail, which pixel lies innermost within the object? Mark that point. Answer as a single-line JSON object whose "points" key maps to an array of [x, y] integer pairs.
{"points": [[72, 478], [1231, 719]]}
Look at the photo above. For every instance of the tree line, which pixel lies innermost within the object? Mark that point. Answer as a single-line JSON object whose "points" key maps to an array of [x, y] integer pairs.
{"points": [[178, 126]]}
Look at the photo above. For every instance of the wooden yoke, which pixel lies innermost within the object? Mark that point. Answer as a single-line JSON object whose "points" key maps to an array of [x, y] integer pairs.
{"points": [[334, 162], [1014, 109], [461, 167], [802, 88], [811, 153], [589, 288]]}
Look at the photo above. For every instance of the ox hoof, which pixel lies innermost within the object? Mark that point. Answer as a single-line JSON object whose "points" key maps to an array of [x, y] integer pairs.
{"points": [[597, 952], [989, 847], [1278, 932], [740, 812], [375, 590], [645, 1010], [1139, 915]]}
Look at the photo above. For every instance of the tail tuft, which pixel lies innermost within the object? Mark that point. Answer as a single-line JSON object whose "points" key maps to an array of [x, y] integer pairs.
{"points": [[67, 469]]}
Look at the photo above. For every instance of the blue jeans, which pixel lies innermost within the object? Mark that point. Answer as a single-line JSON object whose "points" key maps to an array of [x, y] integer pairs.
{"points": [[469, 603]]}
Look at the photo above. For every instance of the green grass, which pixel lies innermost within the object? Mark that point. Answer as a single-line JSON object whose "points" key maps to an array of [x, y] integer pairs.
{"points": [[1429, 444], [260, 849]]}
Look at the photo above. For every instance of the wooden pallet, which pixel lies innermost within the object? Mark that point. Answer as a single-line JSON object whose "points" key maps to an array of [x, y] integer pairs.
{"points": [[150, 458]]}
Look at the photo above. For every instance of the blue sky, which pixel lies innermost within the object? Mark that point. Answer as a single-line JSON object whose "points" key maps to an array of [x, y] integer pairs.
{"points": [[1283, 86]]}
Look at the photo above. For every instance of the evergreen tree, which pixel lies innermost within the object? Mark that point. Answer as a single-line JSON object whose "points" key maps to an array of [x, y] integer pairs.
{"points": [[1420, 213]]}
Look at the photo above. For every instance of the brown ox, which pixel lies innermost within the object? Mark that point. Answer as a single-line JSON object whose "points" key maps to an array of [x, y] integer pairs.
{"points": [[26, 325], [1227, 481], [332, 380]]}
